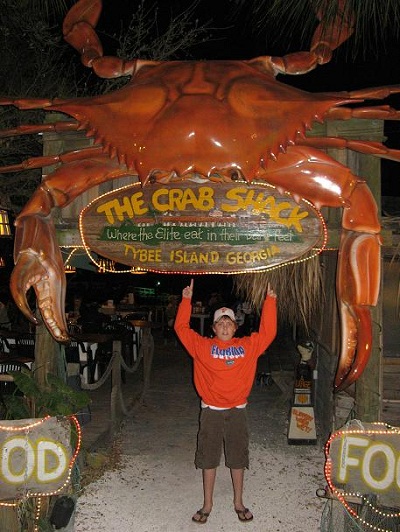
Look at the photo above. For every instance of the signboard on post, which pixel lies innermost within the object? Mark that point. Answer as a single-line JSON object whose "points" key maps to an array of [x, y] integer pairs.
{"points": [[364, 458], [36, 457], [201, 226]]}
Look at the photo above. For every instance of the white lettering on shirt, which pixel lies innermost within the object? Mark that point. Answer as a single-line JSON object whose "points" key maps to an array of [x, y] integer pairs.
{"points": [[229, 353]]}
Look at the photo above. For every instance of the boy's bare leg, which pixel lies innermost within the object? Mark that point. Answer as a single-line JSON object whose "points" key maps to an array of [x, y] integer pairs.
{"points": [[208, 488], [208, 491], [238, 482]]}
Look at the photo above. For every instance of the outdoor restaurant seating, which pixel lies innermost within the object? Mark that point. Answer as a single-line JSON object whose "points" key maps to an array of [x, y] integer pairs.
{"points": [[7, 384], [7, 346], [91, 345], [17, 345], [77, 353], [25, 346]]}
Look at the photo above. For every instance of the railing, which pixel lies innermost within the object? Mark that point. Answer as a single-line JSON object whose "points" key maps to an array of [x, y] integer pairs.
{"points": [[118, 407]]}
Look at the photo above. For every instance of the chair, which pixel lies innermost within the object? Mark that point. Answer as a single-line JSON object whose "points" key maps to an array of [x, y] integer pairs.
{"points": [[8, 346], [26, 347], [7, 384], [74, 328], [83, 353], [88, 364], [136, 331]]}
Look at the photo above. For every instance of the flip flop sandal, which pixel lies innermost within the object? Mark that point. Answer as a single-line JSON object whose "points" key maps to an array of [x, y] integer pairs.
{"points": [[203, 516], [242, 515]]}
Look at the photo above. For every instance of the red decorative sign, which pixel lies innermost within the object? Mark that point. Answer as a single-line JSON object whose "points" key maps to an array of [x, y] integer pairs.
{"points": [[201, 226]]}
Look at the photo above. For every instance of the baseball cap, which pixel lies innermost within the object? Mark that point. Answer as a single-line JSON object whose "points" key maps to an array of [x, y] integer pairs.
{"points": [[224, 311]]}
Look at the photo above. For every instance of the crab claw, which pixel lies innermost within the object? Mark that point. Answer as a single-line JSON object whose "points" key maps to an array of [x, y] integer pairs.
{"points": [[40, 266], [358, 290], [356, 344]]}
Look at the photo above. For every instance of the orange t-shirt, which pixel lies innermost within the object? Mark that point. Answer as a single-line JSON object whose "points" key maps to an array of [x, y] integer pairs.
{"points": [[224, 371]]}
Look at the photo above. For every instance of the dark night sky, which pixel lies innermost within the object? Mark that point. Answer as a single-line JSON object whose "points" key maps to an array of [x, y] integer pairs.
{"points": [[236, 39]]}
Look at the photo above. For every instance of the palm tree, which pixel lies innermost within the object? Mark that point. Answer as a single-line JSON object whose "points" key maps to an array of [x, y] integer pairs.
{"points": [[374, 19]]}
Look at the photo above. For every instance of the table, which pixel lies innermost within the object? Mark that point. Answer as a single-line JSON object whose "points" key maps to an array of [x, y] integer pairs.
{"points": [[202, 318], [125, 310], [4, 359], [14, 334]]}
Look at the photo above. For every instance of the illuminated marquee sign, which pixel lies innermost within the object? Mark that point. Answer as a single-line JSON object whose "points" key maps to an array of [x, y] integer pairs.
{"points": [[36, 457], [200, 226], [364, 458]]}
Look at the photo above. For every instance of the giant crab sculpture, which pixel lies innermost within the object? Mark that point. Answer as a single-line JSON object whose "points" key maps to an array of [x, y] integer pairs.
{"points": [[230, 117]]}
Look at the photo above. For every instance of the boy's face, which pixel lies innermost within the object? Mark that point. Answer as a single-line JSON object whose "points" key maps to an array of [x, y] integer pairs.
{"points": [[224, 328]]}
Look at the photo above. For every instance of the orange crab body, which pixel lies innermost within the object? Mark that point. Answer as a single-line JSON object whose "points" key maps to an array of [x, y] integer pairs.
{"points": [[223, 120], [238, 117]]}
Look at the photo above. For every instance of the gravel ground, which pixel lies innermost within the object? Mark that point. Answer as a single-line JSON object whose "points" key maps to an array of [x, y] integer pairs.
{"points": [[157, 488]]}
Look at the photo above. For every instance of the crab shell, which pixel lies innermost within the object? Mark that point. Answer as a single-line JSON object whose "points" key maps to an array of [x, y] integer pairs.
{"points": [[231, 118]]}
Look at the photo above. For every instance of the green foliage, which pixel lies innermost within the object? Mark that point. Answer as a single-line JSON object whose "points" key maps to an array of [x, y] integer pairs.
{"points": [[36, 62], [152, 35], [57, 399]]}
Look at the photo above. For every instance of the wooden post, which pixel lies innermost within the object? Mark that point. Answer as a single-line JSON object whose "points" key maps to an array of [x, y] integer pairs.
{"points": [[148, 352], [116, 410], [47, 356], [9, 519], [368, 386]]}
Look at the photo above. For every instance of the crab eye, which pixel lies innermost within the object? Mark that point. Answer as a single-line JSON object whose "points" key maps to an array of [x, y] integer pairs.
{"points": [[236, 175]]}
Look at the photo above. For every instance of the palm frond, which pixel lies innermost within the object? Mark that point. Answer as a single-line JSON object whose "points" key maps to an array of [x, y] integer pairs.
{"points": [[298, 287], [288, 20], [49, 7]]}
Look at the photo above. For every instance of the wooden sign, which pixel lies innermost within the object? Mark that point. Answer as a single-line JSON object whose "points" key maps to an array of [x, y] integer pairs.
{"points": [[201, 226], [36, 457], [364, 458]]}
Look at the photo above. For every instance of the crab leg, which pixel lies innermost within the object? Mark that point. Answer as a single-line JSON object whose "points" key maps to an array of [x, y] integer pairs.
{"points": [[47, 160], [380, 112], [359, 266], [56, 127], [38, 264], [37, 257], [376, 149], [327, 182], [357, 282], [375, 93], [327, 37], [79, 32]]}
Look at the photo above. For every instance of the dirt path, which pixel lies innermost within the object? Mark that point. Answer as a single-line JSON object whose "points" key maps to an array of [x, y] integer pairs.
{"points": [[157, 488]]}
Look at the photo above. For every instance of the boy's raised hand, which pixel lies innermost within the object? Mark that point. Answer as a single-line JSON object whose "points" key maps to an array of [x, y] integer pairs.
{"points": [[187, 292], [270, 291]]}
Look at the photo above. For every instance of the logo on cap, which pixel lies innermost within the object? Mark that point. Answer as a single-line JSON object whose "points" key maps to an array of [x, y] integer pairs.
{"points": [[224, 311]]}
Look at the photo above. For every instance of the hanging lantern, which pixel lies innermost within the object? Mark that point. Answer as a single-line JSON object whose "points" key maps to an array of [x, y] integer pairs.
{"points": [[5, 229], [137, 272], [69, 269], [105, 265]]}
